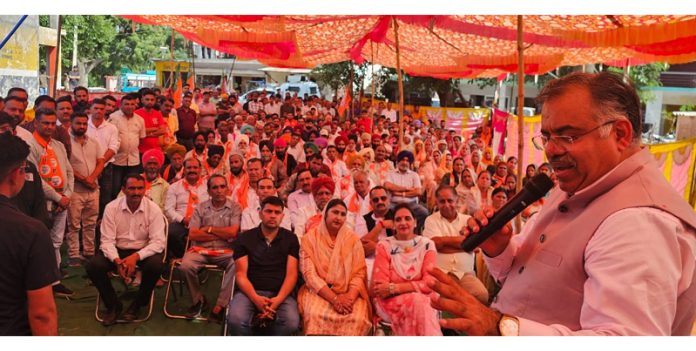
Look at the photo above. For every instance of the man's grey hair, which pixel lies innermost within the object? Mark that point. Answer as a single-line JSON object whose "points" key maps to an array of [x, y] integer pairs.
{"points": [[614, 97]]}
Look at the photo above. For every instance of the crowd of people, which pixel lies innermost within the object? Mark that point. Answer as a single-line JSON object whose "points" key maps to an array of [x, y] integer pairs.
{"points": [[324, 224]]}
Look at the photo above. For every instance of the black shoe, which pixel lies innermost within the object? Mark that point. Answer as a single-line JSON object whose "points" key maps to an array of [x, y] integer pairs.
{"points": [[196, 310], [216, 317], [112, 314], [132, 312], [62, 290]]}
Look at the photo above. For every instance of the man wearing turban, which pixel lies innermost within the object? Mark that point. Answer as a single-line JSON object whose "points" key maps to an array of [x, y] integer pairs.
{"points": [[405, 186], [155, 186], [175, 169], [309, 217], [214, 163]]}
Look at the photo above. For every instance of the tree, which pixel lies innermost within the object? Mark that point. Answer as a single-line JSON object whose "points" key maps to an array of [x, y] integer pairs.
{"points": [[105, 44], [95, 36], [645, 76], [337, 75]]}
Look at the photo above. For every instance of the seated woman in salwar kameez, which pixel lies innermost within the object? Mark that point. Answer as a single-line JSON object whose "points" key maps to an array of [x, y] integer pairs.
{"points": [[334, 299], [402, 263]]}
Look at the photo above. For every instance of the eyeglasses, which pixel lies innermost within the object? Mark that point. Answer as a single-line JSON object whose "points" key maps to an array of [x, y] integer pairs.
{"points": [[379, 198], [540, 141]]}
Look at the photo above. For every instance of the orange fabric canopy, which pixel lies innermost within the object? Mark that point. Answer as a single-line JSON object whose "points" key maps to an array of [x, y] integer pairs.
{"points": [[466, 46]]}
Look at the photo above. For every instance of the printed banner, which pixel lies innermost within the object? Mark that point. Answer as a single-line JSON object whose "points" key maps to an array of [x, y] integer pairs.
{"points": [[677, 161]]}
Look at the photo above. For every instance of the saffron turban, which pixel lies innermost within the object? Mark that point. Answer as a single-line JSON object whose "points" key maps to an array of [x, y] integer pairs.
{"points": [[323, 182], [153, 154], [175, 149]]}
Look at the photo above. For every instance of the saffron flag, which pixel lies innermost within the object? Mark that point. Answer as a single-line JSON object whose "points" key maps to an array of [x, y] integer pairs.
{"points": [[191, 81], [223, 85], [176, 95], [345, 102]]}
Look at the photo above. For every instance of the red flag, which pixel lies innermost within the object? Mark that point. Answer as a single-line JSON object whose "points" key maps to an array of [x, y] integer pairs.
{"points": [[345, 102]]}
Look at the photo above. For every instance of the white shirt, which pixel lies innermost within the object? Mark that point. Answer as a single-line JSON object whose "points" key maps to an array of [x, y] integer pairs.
{"points": [[390, 114], [365, 208], [251, 219], [140, 230], [177, 199], [299, 199], [298, 152], [409, 179], [300, 218], [338, 169], [26, 135], [272, 108], [130, 131], [107, 136], [437, 226]]}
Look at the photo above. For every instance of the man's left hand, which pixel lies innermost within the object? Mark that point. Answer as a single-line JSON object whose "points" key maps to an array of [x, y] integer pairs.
{"points": [[473, 317], [129, 264]]}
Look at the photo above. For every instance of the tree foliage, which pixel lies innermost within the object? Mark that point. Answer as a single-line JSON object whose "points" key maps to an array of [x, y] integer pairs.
{"points": [[105, 44], [337, 75]]}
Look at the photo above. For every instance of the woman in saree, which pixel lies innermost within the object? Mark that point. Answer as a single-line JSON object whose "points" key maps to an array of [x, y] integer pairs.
{"points": [[334, 299]]}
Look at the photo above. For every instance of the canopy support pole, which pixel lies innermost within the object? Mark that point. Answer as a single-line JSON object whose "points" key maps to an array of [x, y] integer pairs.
{"points": [[401, 83], [520, 107], [372, 80]]}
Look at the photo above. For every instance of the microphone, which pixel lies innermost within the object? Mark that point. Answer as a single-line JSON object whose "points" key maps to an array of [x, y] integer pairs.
{"points": [[534, 190]]}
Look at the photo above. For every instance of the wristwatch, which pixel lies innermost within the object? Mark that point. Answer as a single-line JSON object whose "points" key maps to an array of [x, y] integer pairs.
{"points": [[509, 326]]}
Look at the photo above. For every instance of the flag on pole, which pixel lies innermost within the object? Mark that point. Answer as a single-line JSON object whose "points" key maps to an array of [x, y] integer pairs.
{"points": [[223, 85], [191, 81], [345, 102], [176, 95]]}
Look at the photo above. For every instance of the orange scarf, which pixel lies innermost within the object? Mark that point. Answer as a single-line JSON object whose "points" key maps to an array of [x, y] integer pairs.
{"points": [[193, 197], [49, 168], [209, 252], [344, 185], [242, 191], [313, 222], [168, 169], [148, 185], [381, 171], [354, 204]]}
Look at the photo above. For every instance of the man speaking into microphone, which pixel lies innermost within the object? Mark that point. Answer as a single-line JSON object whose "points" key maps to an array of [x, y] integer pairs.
{"points": [[612, 252]]}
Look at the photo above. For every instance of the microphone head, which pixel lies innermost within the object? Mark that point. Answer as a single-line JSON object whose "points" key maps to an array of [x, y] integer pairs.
{"points": [[539, 185]]}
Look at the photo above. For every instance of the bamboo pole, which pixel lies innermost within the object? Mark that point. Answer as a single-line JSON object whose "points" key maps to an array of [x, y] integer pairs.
{"points": [[401, 83], [520, 107], [372, 80]]}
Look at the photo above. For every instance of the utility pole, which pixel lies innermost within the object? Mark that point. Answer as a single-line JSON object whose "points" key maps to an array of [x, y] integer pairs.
{"points": [[74, 52]]}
